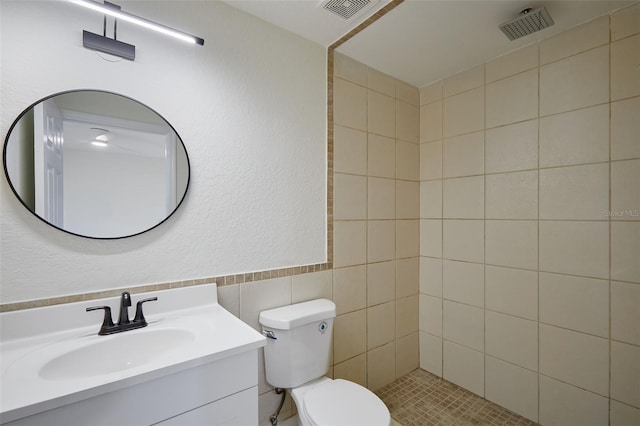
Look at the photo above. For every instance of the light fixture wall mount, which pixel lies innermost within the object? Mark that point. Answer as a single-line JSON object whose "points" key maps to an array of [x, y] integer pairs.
{"points": [[108, 45], [112, 45]]}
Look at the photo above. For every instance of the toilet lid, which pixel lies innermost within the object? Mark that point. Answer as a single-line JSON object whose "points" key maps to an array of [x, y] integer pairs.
{"points": [[340, 402]]}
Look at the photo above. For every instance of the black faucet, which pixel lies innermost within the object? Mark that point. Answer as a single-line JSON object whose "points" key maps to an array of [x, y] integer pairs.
{"points": [[108, 327]]}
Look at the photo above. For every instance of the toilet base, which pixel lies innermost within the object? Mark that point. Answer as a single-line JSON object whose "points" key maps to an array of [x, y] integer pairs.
{"points": [[298, 396]]}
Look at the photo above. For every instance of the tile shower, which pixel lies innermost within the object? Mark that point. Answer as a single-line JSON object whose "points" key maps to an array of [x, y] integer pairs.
{"points": [[529, 281]]}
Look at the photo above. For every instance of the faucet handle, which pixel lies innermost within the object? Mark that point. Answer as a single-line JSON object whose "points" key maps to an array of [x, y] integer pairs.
{"points": [[139, 318], [107, 321]]}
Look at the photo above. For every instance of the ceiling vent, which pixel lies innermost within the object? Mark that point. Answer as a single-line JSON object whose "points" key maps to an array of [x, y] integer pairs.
{"points": [[528, 22], [347, 9]]}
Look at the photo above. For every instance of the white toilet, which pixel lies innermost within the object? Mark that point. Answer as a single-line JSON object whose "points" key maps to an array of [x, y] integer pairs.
{"points": [[297, 358]]}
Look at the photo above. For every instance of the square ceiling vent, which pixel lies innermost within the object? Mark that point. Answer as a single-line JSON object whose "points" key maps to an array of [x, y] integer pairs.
{"points": [[347, 9]]}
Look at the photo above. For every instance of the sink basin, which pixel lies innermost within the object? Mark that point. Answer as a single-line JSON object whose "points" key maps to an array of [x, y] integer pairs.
{"points": [[52, 357], [118, 352]]}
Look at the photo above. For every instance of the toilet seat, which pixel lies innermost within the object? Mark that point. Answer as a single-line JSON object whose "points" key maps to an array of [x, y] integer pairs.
{"points": [[340, 402]]}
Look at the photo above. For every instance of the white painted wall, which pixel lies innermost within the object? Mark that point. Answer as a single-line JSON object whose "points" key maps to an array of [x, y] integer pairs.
{"points": [[250, 107]]}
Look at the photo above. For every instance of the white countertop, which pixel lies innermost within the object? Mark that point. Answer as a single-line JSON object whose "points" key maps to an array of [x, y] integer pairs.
{"points": [[32, 337]]}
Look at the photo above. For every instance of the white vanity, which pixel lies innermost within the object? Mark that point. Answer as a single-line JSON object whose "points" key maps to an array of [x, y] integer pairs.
{"points": [[194, 364]]}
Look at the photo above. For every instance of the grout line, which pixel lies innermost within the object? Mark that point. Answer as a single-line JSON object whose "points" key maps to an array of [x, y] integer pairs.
{"points": [[367, 349], [573, 330], [506, 361], [484, 230], [539, 68], [442, 233], [542, 271], [608, 398], [610, 367]]}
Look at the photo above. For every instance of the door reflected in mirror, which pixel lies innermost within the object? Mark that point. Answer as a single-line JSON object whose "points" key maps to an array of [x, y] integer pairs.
{"points": [[96, 164]]}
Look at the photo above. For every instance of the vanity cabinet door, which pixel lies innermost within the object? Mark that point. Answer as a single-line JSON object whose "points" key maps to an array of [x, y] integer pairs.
{"points": [[240, 409]]}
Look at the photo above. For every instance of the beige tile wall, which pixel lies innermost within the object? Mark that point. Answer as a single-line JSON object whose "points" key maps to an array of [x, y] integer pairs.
{"points": [[529, 290], [376, 224]]}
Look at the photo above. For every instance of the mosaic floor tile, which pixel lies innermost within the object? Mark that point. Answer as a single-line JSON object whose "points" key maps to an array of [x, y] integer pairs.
{"points": [[423, 399]]}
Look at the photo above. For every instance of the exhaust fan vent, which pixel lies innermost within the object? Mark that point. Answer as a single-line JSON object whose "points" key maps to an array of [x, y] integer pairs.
{"points": [[346, 8], [529, 22]]}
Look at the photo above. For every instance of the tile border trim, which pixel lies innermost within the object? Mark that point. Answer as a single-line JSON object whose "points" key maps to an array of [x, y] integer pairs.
{"points": [[221, 281]]}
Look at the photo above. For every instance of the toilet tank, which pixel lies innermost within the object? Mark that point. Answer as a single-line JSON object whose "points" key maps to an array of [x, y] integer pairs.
{"points": [[298, 342]]}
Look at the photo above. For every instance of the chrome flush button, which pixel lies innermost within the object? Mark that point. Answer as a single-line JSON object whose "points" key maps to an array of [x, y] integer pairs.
{"points": [[322, 327]]}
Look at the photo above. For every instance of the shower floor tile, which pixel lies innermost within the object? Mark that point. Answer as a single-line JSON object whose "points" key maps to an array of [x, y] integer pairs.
{"points": [[423, 399]]}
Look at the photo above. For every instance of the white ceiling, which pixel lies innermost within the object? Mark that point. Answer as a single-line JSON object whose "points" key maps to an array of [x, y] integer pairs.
{"points": [[422, 41], [306, 18]]}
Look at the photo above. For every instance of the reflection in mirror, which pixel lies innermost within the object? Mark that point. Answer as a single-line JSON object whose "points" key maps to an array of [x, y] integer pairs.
{"points": [[96, 164]]}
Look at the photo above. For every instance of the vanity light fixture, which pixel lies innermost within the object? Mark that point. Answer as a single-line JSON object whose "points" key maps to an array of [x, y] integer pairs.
{"points": [[116, 47]]}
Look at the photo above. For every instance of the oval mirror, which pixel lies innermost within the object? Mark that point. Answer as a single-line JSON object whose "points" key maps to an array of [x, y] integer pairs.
{"points": [[96, 164]]}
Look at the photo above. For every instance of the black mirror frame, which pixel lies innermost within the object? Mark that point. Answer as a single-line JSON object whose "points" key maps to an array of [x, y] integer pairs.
{"points": [[30, 107]]}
